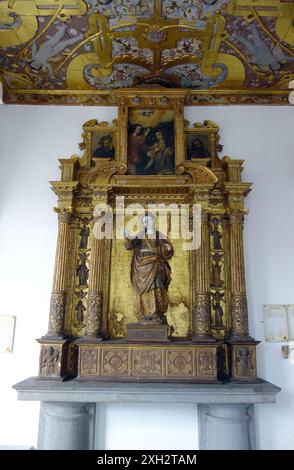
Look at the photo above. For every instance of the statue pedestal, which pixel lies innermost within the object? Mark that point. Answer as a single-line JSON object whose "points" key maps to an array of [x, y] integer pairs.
{"points": [[69, 410], [170, 361], [147, 333]]}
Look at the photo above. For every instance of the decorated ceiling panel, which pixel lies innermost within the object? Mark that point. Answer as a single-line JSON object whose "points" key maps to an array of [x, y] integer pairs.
{"points": [[75, 51]]}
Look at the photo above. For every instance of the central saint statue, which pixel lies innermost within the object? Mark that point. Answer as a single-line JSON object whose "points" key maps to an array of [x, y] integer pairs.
{"points": [[150, 271]]}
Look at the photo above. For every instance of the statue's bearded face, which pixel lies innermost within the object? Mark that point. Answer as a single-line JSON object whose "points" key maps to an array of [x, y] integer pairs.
{"points": [[148, 223]]}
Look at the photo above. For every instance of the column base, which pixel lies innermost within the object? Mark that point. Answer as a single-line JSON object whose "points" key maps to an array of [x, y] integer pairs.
{"points": [[53, 357], [242, 358]]}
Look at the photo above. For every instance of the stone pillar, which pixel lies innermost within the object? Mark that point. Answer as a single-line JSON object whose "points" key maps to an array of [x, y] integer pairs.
{"points": [[226, 427], [201, 315], [58, 296], [64, 426]]}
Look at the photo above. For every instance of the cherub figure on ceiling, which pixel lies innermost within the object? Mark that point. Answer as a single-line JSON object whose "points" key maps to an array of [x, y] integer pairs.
{"points": [[51, 48], [261, 54]]}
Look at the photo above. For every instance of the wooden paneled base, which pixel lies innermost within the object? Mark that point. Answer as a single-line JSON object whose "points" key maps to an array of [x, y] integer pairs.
{"points": [[174, 362]]}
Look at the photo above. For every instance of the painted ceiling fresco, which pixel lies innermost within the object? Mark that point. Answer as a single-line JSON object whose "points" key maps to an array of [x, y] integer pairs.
{"points": [[75, 51]]}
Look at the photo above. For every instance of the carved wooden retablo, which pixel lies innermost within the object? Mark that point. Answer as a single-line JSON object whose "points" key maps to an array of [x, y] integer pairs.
{"points": [[146, 302]]}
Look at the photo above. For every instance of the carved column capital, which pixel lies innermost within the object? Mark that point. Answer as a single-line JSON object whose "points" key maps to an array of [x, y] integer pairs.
{"points": [[200, 193], [65, 217], [235, 194], [100, 195], [65, 191], [236, 217]]}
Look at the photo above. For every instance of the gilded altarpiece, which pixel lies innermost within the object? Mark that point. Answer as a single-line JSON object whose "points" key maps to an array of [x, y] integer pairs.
{"points": [[94, 332]]}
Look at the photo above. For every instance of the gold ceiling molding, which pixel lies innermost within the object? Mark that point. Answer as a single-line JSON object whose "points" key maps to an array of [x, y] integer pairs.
{"points": [[80, 51]]}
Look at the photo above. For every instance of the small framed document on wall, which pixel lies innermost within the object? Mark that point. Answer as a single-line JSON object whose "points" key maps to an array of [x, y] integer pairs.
{"points": [[7, 325], [290, 311], [276, 322]]}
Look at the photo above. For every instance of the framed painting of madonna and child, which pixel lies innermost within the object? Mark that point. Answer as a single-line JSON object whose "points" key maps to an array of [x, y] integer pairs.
{"points": [[151, 147]]}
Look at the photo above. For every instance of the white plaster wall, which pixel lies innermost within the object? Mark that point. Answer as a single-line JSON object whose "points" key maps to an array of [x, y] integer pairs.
{"points": [[31, 140]]}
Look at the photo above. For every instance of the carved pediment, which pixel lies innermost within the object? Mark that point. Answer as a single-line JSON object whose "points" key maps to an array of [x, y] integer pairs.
{"points": [[103, 171], [199, 173]]}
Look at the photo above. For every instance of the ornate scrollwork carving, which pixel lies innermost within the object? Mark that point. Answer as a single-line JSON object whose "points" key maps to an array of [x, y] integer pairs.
{"points": [[239, 315], [56, 315], [95, 308], [105, 170], [205, 363], [89, 361], [202, 315], [198, 173]]}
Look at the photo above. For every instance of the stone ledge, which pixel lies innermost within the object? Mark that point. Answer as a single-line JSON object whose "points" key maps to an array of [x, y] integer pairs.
{"points": [[34, 389]]}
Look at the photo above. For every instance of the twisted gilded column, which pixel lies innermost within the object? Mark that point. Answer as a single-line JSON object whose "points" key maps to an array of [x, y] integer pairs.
{"points": [[239, 313], [58, 295]]}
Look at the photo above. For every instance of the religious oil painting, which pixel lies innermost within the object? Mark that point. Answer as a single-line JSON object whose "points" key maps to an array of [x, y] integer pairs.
{"points": [[151, 149], [198, 145], [103, 144]]}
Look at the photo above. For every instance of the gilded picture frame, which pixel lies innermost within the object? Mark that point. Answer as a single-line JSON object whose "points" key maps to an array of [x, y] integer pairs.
{"points": [[151, 142], [162, 110], [201, 141], [99, 141]]}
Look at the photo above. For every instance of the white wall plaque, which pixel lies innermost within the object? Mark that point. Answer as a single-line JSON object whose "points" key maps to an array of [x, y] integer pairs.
{"points": [[290, 311], [7, 325], [275, 322]]}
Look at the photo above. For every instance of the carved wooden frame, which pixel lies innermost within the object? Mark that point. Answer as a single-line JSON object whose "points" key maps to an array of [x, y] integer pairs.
{"points": [[155, 99], [208, 129], [91, 127]]}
